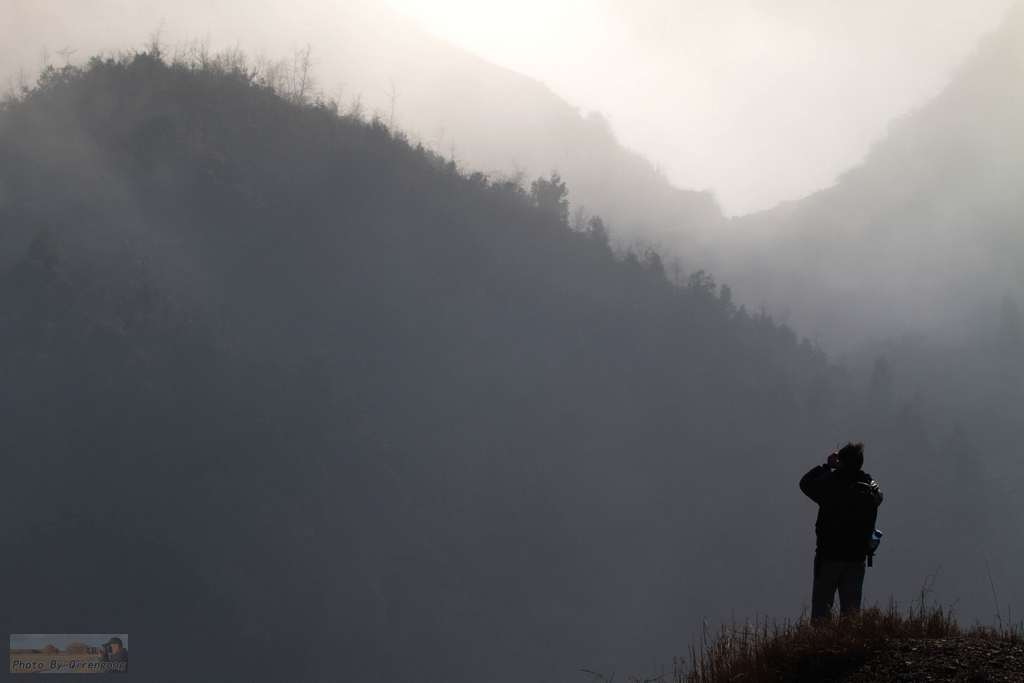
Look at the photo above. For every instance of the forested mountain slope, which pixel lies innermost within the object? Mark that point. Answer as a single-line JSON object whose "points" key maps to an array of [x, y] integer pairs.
{"points": [[488, 118], [289, 398]]}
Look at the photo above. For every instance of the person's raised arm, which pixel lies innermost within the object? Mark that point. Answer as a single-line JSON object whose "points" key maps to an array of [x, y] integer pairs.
{"points": [[813, 483]]}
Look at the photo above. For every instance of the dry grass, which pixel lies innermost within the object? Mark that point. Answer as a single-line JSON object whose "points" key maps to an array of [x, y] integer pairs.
{"points": [[773, 652]]}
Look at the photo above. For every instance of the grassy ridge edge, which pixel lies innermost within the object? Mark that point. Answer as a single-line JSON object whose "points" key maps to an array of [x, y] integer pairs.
{"points": [[773, 651]]}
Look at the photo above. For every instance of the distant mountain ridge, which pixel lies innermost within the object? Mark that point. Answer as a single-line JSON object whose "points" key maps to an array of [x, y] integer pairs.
{"points": [[943, 185], [924, 234], [494, 120]]}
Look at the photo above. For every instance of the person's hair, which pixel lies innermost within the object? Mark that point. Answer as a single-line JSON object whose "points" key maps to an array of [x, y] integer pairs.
{"points": [[852, 455]]}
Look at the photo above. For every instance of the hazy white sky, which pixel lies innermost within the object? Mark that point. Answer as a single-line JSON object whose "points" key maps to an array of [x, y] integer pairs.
{"points": [[758, 100]]}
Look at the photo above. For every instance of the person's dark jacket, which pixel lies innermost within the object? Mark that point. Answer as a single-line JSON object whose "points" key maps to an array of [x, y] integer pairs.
{"points": [[828, 488]]}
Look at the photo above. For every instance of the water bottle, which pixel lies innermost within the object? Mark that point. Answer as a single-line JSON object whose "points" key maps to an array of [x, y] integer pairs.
{"points": [[876, 538]]}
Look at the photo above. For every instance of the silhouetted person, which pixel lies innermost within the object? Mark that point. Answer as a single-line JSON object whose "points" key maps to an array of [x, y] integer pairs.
{"points": [[840, 488], [114, 651]]}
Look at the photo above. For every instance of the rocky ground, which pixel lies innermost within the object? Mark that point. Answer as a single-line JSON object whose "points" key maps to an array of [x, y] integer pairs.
{"points": [[949, 660]]}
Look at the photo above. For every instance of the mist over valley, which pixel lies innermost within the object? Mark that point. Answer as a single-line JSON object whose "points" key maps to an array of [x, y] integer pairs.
{"points": [[492, 401]]}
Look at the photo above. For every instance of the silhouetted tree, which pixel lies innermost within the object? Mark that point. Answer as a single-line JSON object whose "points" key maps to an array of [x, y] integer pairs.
{"points": [[551, 197]]}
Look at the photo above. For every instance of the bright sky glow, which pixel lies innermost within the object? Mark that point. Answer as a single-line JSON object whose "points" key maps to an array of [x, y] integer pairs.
{"points": [[759, 101]]}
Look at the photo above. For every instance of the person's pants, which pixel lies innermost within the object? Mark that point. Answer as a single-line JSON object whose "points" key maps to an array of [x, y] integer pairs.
{"points": [[832, 575]]}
